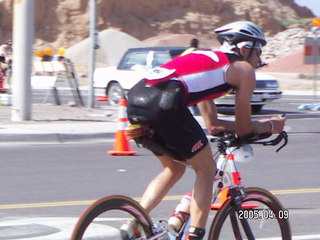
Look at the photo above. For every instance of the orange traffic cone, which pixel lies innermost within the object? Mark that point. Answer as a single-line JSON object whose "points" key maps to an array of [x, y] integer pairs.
{"points": [[102, 99], [122, 145]]}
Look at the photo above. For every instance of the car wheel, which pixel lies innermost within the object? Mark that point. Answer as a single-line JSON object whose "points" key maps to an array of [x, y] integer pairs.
{"points": [[115, 94], [256, 108]]}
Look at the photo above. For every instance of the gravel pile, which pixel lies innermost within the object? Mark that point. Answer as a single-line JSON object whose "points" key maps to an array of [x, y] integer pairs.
{"points": [[285, 43]]}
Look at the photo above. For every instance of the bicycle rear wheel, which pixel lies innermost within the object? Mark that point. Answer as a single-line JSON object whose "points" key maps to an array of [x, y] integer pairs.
{"points": [[261, 213], [103, 219]]}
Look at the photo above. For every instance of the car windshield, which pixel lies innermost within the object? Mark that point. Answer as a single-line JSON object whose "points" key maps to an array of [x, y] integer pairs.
{"points": [[147, 58]]}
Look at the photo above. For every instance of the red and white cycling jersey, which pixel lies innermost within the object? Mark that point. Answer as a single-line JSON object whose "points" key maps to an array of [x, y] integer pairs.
{"points": [[202, 72]]}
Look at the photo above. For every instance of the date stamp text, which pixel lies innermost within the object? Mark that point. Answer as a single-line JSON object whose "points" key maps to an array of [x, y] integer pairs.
{"points": [[256, 214]]}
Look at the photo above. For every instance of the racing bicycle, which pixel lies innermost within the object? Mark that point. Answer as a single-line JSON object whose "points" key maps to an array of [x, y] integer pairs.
{"points": [[245, 213]]}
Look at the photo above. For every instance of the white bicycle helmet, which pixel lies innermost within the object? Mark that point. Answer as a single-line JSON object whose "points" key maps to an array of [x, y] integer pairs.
{"points": [[241, 31], [243, 154]]}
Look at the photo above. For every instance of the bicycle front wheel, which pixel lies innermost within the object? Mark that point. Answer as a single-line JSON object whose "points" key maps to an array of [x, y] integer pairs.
{"points": [[104, 218], [261, 216]]}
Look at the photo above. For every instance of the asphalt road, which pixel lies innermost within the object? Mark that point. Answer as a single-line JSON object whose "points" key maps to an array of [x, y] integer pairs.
{"points": [[45, 187]]}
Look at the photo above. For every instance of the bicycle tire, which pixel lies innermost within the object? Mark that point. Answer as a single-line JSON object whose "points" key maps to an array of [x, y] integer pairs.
{"points": [[106, 204], [258, 195]]}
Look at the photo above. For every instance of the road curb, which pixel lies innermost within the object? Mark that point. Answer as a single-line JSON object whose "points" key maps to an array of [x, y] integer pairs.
{"points": [[54, 137]]}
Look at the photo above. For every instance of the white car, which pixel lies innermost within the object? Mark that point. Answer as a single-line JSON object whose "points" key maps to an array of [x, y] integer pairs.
{"points": [[267, 90], [114, 82]]}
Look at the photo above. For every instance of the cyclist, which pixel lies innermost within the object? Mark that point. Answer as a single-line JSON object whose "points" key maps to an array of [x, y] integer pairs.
{"points": [[161, 102], [5, 57]]}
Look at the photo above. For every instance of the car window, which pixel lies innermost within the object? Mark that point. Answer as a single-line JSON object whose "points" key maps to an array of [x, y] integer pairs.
{"points": [[133, 58], [150, 58], [174, 53], [160, 58]]}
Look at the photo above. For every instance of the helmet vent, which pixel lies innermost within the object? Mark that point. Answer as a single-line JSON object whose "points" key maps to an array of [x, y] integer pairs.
{"points": [[246, 32]]}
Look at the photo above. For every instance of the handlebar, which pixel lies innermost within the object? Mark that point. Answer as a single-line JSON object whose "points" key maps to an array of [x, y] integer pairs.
{"points": [[232, 140]]}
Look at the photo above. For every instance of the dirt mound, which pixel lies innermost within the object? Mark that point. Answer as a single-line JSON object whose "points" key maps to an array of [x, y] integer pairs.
{"points": [[291, 63], [180, 40], [113, 44]]}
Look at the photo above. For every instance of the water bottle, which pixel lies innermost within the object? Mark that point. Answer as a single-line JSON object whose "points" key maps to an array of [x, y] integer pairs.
{"points": [[181, 213]]}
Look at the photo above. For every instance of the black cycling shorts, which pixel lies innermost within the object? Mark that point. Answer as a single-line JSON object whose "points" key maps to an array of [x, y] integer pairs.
{"points": [[175, 132]]}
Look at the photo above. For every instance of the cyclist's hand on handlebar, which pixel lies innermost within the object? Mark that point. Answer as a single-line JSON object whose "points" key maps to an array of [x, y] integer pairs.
{"points": [[277, 123]]}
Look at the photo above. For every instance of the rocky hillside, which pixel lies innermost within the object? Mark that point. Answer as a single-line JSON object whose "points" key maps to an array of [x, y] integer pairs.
{"points": [[66, 22]]}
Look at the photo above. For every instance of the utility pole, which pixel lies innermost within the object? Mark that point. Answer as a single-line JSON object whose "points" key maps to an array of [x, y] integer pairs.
{"points": [[23, 27], [93, 46]]}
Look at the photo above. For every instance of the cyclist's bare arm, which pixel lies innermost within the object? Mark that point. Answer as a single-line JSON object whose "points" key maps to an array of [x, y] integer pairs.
{"points": [[241, 75], [215, 126]]}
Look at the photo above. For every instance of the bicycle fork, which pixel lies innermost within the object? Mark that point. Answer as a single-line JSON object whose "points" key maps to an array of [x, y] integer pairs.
{"points": [[237, 195]]}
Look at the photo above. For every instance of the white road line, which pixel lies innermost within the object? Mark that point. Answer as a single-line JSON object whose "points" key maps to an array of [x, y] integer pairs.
{"points": [[64, 227], [306, 237], [303, 237]]}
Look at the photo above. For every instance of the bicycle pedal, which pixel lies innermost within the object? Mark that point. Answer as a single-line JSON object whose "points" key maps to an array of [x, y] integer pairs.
{"points": [[161, 227]]}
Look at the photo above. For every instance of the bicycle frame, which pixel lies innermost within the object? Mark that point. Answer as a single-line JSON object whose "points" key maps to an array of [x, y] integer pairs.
{"points": [[227, 175], [226, 162], [227, 165], [227, 182]]}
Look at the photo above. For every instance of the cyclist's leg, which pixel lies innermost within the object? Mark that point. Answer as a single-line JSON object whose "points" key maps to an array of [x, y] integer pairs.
{"points": [[161, 184], [205, 170]]}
